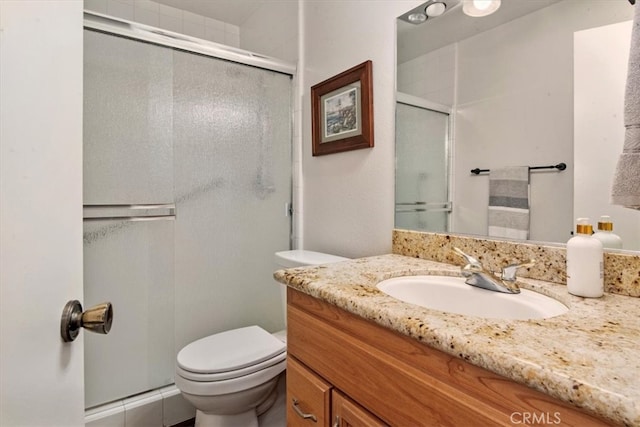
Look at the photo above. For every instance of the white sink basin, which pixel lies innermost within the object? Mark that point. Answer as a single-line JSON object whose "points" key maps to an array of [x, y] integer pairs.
{"points": [[452, 295]]}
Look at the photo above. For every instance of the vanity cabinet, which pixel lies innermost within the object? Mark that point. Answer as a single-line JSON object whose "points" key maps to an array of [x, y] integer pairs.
{"points": [[308, 397], [311, 401], [396, 380], [347, 413]]}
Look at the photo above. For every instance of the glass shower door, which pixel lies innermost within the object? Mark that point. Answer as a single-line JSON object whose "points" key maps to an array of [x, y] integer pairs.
{"points": [[422, 182], [128, 214], [232, 136], [128, 121], [187, 172]]}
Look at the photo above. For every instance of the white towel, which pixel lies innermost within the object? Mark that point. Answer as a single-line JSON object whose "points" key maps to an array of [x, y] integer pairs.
{"points": [[509, 202], [626, 181]]}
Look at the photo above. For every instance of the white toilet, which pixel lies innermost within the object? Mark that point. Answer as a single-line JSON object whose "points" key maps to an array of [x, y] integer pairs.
{"points": [[231, 377], [301, 258]]}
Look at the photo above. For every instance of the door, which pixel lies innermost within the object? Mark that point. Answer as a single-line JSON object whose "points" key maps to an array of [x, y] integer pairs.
{"points": [[40, 211]]}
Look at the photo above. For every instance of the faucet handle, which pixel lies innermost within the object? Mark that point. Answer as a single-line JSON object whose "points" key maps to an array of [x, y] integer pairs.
{"points": [[468, 258], [509, 272], [472, 265]]}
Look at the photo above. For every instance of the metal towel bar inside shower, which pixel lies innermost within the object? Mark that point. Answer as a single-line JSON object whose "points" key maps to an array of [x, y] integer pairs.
{"points": [[424, 207], [139, 212]]}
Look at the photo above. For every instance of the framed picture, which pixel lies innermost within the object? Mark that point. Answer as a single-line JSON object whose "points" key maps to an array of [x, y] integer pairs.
{"points": [[342, 112]]}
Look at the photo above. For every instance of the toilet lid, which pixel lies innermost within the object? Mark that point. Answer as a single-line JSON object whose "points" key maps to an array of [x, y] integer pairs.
{"points": [[230, 351]]}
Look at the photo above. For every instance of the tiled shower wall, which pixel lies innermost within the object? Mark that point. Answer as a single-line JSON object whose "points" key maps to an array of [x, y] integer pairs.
{"points": [[272, 30], [168, 18]]}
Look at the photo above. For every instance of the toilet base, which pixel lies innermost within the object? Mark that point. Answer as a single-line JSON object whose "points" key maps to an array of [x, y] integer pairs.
{"points": [[244, 419], [224, 405], [268, 402]]}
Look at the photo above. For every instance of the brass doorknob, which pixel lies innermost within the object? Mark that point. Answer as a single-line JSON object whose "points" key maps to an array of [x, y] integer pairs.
{"points": [[97, 319]]}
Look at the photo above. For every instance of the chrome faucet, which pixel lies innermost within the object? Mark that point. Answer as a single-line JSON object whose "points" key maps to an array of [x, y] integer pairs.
{"points": [[481, 277]]}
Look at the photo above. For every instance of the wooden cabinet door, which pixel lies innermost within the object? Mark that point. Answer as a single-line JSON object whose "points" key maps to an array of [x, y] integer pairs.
{"points": [[347, 413], [308, 397]]}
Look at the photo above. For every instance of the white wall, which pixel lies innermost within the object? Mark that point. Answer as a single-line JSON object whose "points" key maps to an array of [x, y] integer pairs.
{"points": [[601, 59], [515, 107], [348, 198], [431, 76], [272, 30]]}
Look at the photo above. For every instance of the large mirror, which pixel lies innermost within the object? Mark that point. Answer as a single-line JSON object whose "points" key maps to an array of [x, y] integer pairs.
{"points": [[540, 84]]}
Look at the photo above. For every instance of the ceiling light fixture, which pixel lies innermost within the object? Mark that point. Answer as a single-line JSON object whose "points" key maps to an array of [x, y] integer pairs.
{"points": [[427, 10], [417, 18], [435, 9], [478, 8]]}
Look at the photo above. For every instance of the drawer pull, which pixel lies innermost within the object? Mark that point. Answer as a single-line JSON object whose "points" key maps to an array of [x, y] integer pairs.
{"points": [[302, 414]]}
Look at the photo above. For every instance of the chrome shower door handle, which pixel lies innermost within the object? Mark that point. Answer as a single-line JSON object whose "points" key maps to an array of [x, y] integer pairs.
{"points": [[97, 319]]}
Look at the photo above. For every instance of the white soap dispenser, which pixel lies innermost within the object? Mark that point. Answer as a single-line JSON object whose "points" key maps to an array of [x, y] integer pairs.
{"points": [[585, 262], [606, 235]]}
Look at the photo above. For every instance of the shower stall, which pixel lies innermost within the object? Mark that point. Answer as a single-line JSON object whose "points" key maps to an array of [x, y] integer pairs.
{"points": [[187, 188], [423, 140]]}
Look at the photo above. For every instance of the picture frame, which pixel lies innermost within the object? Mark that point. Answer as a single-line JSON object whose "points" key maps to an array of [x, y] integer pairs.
{"points": [[342, 111]]}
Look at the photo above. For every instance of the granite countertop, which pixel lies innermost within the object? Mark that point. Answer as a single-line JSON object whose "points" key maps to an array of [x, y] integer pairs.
{"points": [[589, 357]]}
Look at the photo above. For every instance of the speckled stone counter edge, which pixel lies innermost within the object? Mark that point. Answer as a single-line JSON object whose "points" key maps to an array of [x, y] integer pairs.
{"points": [[621, 270]]}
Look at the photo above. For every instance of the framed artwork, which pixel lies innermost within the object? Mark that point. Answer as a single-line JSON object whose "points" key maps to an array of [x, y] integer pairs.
{"points": [[342, 111]]}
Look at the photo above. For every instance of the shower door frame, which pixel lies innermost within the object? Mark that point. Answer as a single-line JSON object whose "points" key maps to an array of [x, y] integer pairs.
{"points": [[417, 102], [139, 32], [146, 33]]}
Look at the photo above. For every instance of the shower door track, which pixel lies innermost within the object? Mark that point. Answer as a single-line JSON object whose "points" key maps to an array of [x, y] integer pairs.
{"points": [[133, 30]]}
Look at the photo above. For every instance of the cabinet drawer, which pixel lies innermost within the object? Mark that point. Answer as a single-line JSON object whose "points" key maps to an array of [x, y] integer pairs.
{"points": [[348, 413], [308, 396]]}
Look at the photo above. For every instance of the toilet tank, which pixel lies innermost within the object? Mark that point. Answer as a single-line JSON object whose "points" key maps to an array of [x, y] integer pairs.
{"points": [[301, 257]]}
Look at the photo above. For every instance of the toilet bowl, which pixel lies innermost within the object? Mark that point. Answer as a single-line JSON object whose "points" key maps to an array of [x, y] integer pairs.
{"points": [[231, 377]]}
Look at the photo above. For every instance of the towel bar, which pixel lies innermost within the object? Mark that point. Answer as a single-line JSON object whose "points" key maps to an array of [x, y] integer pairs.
{"points": [[141, 212], [424, 207], [559, 166]]}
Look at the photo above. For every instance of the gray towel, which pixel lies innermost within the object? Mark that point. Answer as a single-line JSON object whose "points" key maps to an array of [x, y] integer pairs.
{"points": [[626, 181], [509, 202]]}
